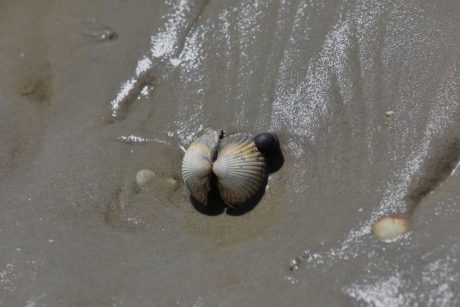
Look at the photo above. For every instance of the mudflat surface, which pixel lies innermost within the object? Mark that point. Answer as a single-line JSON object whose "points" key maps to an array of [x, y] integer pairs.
{"points": [[364, 96]]}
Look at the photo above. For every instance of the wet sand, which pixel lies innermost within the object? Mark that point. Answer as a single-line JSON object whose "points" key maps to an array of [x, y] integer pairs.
{"points": [[91, 92]]}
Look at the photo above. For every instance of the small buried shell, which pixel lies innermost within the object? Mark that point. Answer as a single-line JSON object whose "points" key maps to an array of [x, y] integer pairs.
{"points": [[197, 164], [143, 177], [240, 169], [391, 227]]}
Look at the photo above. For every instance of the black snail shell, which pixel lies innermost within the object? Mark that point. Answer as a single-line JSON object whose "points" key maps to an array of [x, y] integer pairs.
{"points": [[266, 142], [235, 160]]}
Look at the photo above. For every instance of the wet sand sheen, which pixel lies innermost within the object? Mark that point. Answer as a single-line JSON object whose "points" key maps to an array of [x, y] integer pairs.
{"points": [[363, 96]]}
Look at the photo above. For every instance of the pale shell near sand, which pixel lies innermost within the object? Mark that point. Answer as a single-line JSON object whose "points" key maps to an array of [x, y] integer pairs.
{"points": [[143, 177], [391, 227]]}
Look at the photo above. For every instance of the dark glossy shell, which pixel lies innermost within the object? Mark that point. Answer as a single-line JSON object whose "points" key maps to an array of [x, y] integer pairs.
{"points": [[267, 142]]}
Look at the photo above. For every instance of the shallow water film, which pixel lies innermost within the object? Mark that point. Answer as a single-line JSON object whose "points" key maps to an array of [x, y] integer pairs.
{"points": [[99, 99]]}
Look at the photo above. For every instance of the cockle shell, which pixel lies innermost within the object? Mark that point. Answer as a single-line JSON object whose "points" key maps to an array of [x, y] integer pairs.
{"points": [[197, 164], [240, 169], [235, 161]]}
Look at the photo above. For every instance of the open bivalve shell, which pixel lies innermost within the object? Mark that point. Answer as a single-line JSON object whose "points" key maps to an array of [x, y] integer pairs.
{"points": [[239, 168]]}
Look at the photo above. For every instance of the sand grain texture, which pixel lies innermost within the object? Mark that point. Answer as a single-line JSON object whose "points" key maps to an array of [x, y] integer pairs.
{"points": [[81, 114]]}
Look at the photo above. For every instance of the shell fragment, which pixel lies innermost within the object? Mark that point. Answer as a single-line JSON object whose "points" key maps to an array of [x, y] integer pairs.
{"points": [[391, 227]]}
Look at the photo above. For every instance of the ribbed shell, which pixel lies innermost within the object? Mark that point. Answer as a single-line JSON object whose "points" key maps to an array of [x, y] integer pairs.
{"points": [[240, 169], [197, 164]]}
